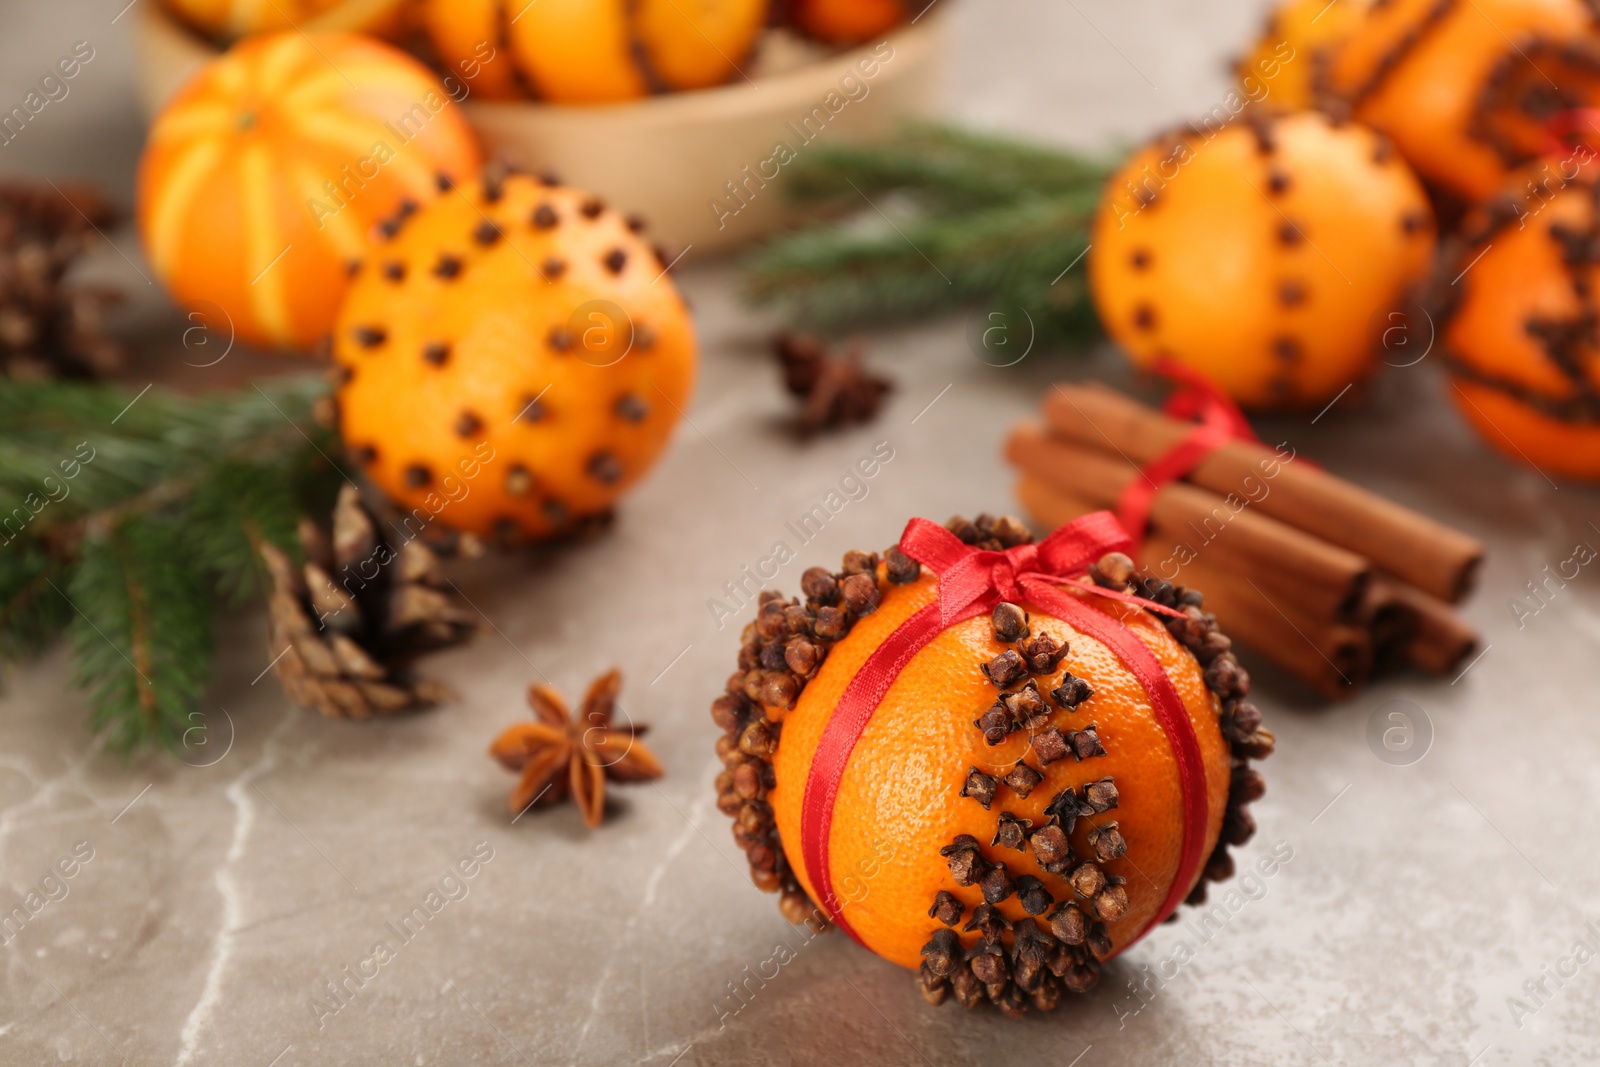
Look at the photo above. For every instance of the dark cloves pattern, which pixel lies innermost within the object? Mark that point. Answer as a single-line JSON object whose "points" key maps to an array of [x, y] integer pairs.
{"points": [[780, 652], [1063, 949], [1060, 943]]}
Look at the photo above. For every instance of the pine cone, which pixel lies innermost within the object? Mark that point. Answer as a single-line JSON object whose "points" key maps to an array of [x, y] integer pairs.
{"points": [[47, 329], [357, 615]]}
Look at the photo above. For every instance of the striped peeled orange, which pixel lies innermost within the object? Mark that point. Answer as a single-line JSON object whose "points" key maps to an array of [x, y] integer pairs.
{"points": [[1015, 810], [264, 177]]}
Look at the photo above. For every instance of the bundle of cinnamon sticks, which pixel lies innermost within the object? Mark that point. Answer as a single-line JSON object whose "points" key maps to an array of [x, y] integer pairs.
{"points": [[1331, 582]]}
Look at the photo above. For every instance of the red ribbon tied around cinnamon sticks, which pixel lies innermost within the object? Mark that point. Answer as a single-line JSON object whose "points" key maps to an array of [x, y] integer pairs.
{"points": [[1220, 421], [971, 582]]}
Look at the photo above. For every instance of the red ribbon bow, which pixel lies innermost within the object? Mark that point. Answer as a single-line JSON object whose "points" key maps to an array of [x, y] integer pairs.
{"points": [[971, 582], [970, 577]]}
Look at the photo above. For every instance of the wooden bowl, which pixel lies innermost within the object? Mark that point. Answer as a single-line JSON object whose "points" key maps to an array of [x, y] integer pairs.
{"points": [[699, 166]]}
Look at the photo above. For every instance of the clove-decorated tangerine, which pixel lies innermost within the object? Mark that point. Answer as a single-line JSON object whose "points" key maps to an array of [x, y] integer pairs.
{"points": [[1289, 64], [1015, 810], [594, 51], [1438, 76], [514, 358], [1518, 323], [1259, 253]]}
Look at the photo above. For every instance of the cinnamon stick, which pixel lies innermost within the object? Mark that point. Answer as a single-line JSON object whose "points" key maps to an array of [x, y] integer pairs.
{"points": [[1391, 622], [1427, 554], [1443, 640], [1333, 658], [1187, 523]]}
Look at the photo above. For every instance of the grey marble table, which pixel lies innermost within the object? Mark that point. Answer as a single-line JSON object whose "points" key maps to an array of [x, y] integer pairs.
{"points": [[209, 907]]}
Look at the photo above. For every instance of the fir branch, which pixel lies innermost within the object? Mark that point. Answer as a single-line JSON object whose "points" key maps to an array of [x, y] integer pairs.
{"points": [[31, 611], [141, 637], [132, 523], [991, 222], [1010, 255], [947, 168], [237, 506]]}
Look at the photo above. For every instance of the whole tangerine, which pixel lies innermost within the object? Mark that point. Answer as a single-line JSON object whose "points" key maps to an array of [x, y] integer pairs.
{"points": [[1259, 252], [595, 51], [513, 359], [469, 39], [845, 22], [1425, 72], [264, 177], [225, 20], [1517, 323], [1013, 812], [1289, 62]]}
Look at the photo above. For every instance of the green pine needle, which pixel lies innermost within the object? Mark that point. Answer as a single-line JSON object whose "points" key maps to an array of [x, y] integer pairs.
{"points": [[141, 639], [128, 519], [967, 221]]}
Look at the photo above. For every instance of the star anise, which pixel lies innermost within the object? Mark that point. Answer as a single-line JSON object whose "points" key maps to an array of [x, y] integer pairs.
{"points": [[561, 755], [836, 389]]}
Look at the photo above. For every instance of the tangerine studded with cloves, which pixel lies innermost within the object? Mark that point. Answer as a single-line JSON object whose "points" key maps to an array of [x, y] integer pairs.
{"points": [[488, 389], [1518, 323], [1466, 88], [1263, 254], [996, 839]]}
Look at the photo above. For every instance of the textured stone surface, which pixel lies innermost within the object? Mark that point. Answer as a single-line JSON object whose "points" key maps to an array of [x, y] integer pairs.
{"points": [[221, 899]]}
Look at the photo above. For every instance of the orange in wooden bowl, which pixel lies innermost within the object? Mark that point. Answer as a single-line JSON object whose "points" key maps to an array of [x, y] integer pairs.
{"points": [[1021, 804], [595, 51], [514, 359], [263, 178], [847, 21], [227, 19], [1425, 72], [1259, 253], [1517, 324], [469, 37]]}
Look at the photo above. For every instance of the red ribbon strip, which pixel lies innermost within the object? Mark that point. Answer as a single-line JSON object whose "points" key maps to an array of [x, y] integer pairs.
{"points": [[1566, 123], [1221, 421], [971, 582]]}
